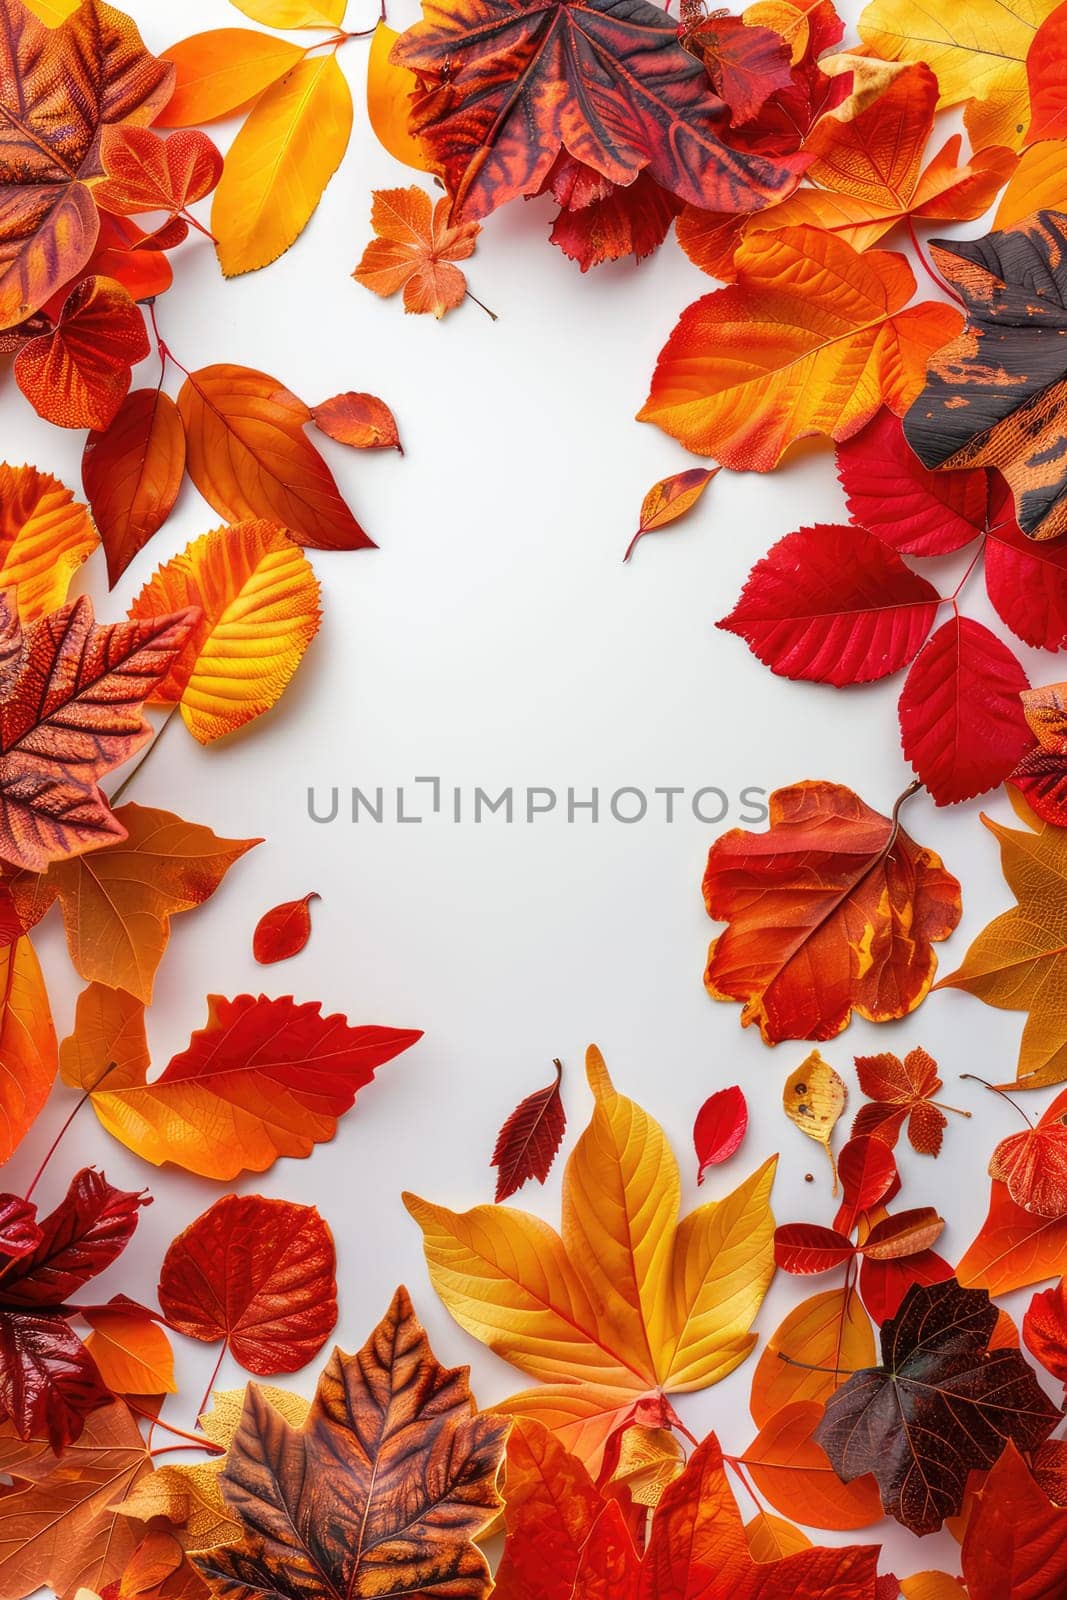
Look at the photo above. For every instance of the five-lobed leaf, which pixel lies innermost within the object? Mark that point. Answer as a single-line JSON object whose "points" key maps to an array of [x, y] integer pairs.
{"points": [[415, 249]]}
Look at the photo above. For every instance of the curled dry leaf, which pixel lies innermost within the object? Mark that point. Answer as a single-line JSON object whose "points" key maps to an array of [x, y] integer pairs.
{"points": [[77, 375], [264, 1078], [283, 931], [720, 1126], [259, 1274], [361, 421], [415, 250], [670, 499], [132, 473], [258, 604], [814, 1100], [833, 909], [527, 1144], [45, 535]]}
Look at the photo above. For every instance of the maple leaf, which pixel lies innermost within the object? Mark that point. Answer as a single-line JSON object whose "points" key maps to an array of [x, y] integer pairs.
{"points": [[721, 1124], [812, 338], [1019, 962], [264, 1078], [992, 395], [71, 699], [257, 1273], [901, 1091], [503, 92], [248, 455], [565, 1539], [59, 87], [147, 173], [527, 1144], [78, 374], [117, 902], [1015, 1248], [45, 535], [397, 1479], [670, 499], [1016, 1539], [256, 599], [415, 250], [60, 1526], [27, 1043], [361, 421], [833, 909], [132, 473], [1041, 776], [283, 931], [832, 604], [627, 1302], [940, 1406]]}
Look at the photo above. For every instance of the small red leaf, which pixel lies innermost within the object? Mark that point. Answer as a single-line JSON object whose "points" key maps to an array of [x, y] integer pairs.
{"points": [[258, 1273], [670, 499], [961, 719], [868, 1174], [90, 1227], [283, 931], [883, 1284], [77, 375], [831, 604], [361, 421], [913, 510], [719, 1128], [804, 1247], [1045, 1330], [527, 1143]]}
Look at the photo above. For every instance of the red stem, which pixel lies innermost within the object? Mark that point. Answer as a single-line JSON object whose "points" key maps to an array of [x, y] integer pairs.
{"points": [[54, 1146], [946, 288], [202, 1407], [179, 1433]]}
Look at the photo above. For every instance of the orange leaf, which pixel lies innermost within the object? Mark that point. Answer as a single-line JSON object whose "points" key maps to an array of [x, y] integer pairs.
{"points": [[77, 375], [824, 917], [1039, 183], [360, 420], [27, 1043], [249, 457], [389, 92], [218, 72], [45, 535], [121, 254], [283, 931], [414, 251], [147, 173], [812, 338], [793, 1472], [829, 1330], [131, 1349], [1015, 1248], [258, 601], [670, 499], [132, 474]]}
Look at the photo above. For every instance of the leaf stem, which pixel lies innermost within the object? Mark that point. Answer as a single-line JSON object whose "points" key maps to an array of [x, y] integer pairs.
{"points": [[972, 1077], [193, 1439], [806, 1366], [165, 352], [54, 1146], [187, 216], [202, 1407], [934, 277], [114, 799], [481, 303]]}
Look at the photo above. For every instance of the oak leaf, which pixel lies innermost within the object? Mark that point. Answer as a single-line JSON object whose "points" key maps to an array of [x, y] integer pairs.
{"points": [[258, 605], [529, 1140], [258, 1273], [132, 473], [415, 250], [832, 909], [77, 375], [940, 1406], [117, 902], [812, 338], [283, 931], [45, 535], [218, 72], [396, 1480], [627, 1302], [264, 1078]]}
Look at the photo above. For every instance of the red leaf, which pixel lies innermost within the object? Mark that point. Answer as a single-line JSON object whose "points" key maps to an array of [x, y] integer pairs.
{"points": [[86, 1232], [883, 1284], [1045, 1330], [804, 1247], [961, 720], [911, 509], [527, 1143], [719, 1128], [746, 65], [361, 421], [147, 173], [1041, 775], [1026, 579], [19, 1230], [1033, 1165], [48, 1380], [77, 375], [283, 931], [907, 1234], [132, 474], [258, 1273], [868, 1175], [898, 1090], [832, 604], [1044, 72], [631, 220]]}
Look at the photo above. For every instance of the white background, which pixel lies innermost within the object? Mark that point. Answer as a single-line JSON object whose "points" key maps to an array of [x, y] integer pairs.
{"points": [[496, 639]]}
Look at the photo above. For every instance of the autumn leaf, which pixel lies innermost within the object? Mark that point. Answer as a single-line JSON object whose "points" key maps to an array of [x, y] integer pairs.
{"points": [[218, 72], [415, 250], [389, 91], [833, 909], [810, 1353], [248, 455], [992, 395], [884, 1283], [258, 1273], [892, 495], [812, 338], [27, 1044], [132, 473], [1016, 1539], [501, 97], [59, 88], [902, 1091], [719, 1128], [1032, 1164], [117, 902], [146, 173], [670, 499], [264, 1078], [869, 1178], [72, 696], [1019, 962], [60, 1526], [45, 535], [746, 63], [1013, 1248], [1045, 1330], [1041, 776], [283, 931], [940, 1406], [130, 1348], [627, 1302], [77, 376], [527, 1144], [814, 1098], [792, 1471], [397, 1480], [1048, 100], [361, 421]]}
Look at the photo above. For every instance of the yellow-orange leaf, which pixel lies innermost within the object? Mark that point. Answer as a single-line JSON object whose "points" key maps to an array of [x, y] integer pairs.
{"points": [[670, 499], [793, 1472], [627, 1302], [769, 1538], [131, 1351], [280, 162], [812, 338], [1039, 183], [295, 13], [45, 535], [826, 1330], [217, 72], [259, 603], [389, 91], [27, 1043]]}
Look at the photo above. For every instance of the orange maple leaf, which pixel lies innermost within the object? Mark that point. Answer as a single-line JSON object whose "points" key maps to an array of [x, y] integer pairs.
{"points": [[415, 249]]}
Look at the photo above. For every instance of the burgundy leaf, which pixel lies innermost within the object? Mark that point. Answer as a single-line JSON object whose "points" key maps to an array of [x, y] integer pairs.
{"points": [[527, 1143], [48, 1380], [90, 1227], [19, 1231]]}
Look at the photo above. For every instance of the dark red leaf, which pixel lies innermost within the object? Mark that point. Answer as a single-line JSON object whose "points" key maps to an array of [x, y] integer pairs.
{"points": [[911, 509], [132, 473], [719, 1128], [48, 1380], [906, 1234], [283, 931], [19, 1231], [747, 65], [804, 1247], [90, 1227], [1045, 1330], [868, 1175], [527, 1143]]}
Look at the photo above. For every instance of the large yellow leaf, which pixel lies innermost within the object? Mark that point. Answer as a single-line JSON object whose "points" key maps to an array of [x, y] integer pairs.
{"points": [[977, 50], [280, 163], [294, 13], [45, 535], [626, 1304], [259, 604], [28, 1051], [389, 91]]}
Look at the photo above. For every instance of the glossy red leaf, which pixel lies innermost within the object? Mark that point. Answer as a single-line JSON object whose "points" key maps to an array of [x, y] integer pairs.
{"points": [[1026, 579], [1033, 1165], [1045, 1330], [146, 173], [903, 1235], [831, 604], [961, 720], [910, 508], [868, 1175], [746, 64], [77, 375], [526, 1145], [883, 1284], [259, 1274], [86, 1232], [283, 931], [804, 1247], [719, 1128], [20, 1233], [132, 473], [361, 421], [48, 1380]]}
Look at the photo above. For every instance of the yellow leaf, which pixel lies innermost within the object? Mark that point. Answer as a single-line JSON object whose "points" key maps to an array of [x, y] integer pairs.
{"points": [[826, 1330], [45, 535], [279, 164], [813, 1099], [259, 602], [389, 91], [294, 13], [1039, 183], [626, 1303], [53, 12], [131, 1350]]}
